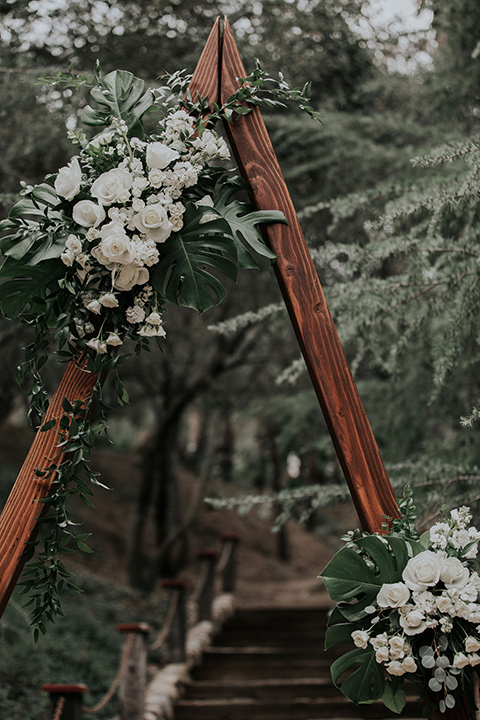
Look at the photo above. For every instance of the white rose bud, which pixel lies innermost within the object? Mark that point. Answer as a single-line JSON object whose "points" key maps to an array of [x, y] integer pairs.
{"points": [[395, 668], [88, 214], [114, 340], [360, 638], [108, 300], [68, 181], [393, 595], [160, 155], [111, 185], [379, 641], [98, 345], [382, 655], [94, 307], [135, 314], [422, 571], [73, 244], [409, 664], [67, 257], [453, 573], [460, 660], [474, 659], [154, 319], [471, 644]]}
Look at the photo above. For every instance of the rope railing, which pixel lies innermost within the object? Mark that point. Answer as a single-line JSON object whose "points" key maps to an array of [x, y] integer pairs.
{"points": [[126, 652], [182, 614]]}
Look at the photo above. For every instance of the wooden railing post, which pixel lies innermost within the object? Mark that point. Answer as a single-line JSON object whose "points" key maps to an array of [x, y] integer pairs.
{"points": [[208, 560], [177, 635], [133, 681], [229, 568], [65, 701]]}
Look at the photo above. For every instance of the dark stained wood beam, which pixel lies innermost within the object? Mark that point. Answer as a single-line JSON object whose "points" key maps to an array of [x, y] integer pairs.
{"points": [[344, 413]]}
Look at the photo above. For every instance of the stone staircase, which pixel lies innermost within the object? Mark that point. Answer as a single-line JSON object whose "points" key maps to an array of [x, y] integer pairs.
{"points": [[269, 664]]}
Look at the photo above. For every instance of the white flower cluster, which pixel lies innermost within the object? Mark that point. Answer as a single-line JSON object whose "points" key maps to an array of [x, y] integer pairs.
{"points": [[432, 616], [124, 214]]}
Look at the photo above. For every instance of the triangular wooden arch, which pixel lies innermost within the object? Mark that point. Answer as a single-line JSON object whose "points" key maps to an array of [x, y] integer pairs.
{"points": [[216, 77]]}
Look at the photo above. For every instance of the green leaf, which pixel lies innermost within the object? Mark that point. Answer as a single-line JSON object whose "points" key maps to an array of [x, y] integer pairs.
{"points": [[365, 684], [48, 426], [338, 633], [348, 577], [118, 95], [394, 700], [243, 222], [184, 272], [26, 287]]}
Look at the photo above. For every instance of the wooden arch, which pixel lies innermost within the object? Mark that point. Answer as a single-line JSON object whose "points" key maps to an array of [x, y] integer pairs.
{"points": [[216, 77]]}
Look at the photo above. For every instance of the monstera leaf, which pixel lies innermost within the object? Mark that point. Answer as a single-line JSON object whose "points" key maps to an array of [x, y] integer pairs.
{"points": [[349, 577], [25, 288], [187, 259], [245, 223], [118, 95], [365, 684]]}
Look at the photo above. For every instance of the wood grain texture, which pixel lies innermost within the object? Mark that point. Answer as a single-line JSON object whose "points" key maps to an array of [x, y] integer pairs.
{"points": [[316, 333], [206, 78], [18, 521]]}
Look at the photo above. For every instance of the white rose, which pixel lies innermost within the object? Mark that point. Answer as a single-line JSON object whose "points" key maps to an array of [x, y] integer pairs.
{"points": [[68, 181], [474, 659], [471, 644], [360, 638], [114, 340], [393, 595], [135, 314], [460, 660], [88, 214], [94, 306], [111, 185], [160, 155], [413, 623], [108, 300], [395, 668], [422, 571], [409, 664], [153, 221], [382, 655], [154, 319], [453, 573], [129, 276], [397, 643], [116, 246]]}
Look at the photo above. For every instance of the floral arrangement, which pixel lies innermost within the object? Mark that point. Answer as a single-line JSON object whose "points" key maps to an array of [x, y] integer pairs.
{"points": [[411, 605], [93, 255]]}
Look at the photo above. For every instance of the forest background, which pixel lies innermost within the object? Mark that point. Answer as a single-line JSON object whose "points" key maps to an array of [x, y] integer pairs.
{"points": [[395, 242]]}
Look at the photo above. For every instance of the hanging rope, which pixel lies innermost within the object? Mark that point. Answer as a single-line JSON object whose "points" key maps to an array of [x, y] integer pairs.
{"points": [[127, 649], [167, 625], [59, 708]]}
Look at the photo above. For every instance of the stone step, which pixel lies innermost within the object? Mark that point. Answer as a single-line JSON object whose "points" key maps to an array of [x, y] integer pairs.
{"points": [[267, 688], [298, 709], [241, 663]]}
